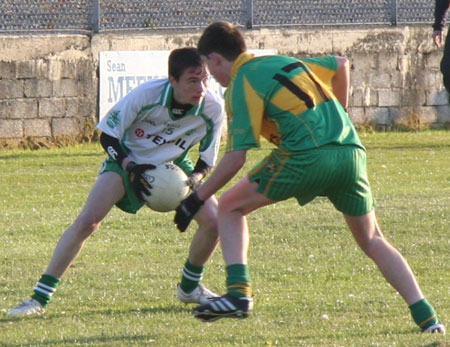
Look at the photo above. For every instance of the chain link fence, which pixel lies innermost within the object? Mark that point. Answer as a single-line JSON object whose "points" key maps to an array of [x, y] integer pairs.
{"points": [[108, 15]]}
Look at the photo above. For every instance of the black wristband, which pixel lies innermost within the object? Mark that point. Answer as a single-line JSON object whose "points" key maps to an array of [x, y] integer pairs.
{"points": [[130, 166], [112, 146]]}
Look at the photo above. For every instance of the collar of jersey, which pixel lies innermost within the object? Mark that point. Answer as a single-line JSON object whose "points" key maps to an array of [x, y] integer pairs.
{"points": [[166, 101], [243, 58]]}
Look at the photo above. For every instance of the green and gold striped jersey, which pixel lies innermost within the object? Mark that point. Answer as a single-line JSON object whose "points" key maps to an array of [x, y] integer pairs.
{"points": [[288, 101]]}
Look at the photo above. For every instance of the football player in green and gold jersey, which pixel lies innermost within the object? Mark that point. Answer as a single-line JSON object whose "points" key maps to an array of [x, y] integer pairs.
{"points": [[300, 106]]}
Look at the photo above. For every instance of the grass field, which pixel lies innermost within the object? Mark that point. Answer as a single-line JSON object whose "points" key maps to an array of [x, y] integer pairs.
{"points": [[304, 263]]}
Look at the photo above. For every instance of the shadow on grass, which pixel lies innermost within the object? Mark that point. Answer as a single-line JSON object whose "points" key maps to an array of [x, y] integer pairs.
{"points": [[41, 154], [366, 334], [107, 312], [91, 340], [101, 339]]}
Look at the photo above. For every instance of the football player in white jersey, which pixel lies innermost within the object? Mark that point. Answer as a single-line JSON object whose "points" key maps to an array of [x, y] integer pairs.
{"points": [[159, 121]]}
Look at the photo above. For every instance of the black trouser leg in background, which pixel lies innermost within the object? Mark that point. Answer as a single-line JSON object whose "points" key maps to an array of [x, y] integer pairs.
{"points": [[445, 63]]}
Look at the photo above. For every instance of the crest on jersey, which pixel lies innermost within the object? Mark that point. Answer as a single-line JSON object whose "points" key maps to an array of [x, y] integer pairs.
{"points": [[139, 132]]}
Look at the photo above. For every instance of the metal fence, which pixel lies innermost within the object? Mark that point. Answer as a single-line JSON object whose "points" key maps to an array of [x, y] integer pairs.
{"points": [[108, 15]]}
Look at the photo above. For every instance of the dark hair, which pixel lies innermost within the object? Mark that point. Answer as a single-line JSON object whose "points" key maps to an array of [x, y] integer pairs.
{"points": [[181, 59], [223, 38]]}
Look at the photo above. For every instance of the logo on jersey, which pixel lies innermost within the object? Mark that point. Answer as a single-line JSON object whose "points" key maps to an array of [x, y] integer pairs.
{"points": [[159, 140], [112, 152], [178, 111], [149, 121], [113, 119], [139, 132]]}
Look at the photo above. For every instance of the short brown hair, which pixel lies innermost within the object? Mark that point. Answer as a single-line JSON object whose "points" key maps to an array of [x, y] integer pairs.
{"points": [[223, 38], [182, 59]]}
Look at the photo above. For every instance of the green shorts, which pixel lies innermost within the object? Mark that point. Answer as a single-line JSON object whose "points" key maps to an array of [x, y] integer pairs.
{"points": [[130, 202], [337, 172]]}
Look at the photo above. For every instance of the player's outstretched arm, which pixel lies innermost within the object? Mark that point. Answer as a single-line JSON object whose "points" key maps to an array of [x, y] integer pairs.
{"points": [[229, 166]]}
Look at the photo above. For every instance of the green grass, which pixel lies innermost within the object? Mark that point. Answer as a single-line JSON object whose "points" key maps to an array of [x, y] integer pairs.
{"points": [[303, 261]]}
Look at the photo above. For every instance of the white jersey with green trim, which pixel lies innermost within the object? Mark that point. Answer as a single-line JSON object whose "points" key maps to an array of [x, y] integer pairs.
{"points": [[150, 133]]}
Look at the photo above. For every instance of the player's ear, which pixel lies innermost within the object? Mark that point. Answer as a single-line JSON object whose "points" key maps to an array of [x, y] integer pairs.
{"points": [[215, 58], [172, 80]]}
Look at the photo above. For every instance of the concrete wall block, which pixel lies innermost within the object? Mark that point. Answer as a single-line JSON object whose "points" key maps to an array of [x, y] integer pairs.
{"points": [[358, 74], [388, 97], [433, 60], [378, 115], [363, 61], [427, 114], [380, 79], [357, 115], [11, 128], [69, 69], [65, 126], [11, 89], [34, 88], [52, 107], [65, 87], [343, 42], [370, 97], [415, 117], [412, 97], [394, 113], [54, 70], [87, 107], [7, 69], [18, 108], [72, 105], [397, 79], [437, 98], [287, 40], [402, 115], [388, 61], [88, 86], [37, 128], [23, 47], [81, 107], [357, 97], [84, 69], [433, 80], [31, 68], [443, 114]]}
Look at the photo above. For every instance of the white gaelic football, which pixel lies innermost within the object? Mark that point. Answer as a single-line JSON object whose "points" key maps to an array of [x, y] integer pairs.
{"points": [[169, 187]]}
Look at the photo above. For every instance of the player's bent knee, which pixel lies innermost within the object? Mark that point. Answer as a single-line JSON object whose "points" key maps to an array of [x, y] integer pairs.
{"points": [[207, 217], [373, 246], [228, 202]]}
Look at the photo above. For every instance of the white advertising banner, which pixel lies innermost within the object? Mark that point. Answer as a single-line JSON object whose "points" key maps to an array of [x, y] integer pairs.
{"points": [[121, 71]]}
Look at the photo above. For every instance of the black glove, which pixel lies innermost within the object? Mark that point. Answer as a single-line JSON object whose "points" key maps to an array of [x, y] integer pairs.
{"points": [[138, 182], [186, 211]]}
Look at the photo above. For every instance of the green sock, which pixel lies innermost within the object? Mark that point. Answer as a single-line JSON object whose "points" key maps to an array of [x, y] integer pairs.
{"points": [[191, 277], [238, 280], [423, 314], [45, 288]]}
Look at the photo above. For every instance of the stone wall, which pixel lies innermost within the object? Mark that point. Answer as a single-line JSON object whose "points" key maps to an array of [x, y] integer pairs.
{"points": [[49, 83]]}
